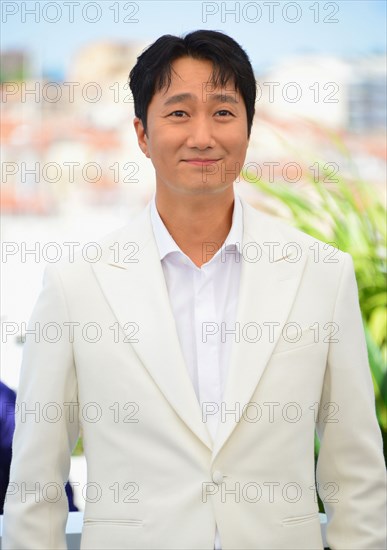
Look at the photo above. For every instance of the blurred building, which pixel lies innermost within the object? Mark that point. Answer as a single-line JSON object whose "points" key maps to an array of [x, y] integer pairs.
{"points": [[367, 98], [337, 93], [101, 69]]}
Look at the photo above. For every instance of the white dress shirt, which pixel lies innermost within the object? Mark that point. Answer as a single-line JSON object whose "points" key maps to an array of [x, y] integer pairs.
{"points": [[204, 301]]}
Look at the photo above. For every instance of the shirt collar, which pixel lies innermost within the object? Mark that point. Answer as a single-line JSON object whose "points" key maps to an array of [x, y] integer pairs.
{"points": [[166, 244]]}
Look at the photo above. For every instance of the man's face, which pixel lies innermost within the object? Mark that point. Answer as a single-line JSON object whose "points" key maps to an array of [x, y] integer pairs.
{"points": [[197, 135]]}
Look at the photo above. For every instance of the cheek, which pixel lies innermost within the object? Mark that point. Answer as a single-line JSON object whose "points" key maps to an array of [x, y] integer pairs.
{"points": [[236, 138], [161, 146], [238, 147], [162, 154]]}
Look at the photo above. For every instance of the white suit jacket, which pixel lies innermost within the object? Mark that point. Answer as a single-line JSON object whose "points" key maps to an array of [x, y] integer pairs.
{"points": [[155, 479]]}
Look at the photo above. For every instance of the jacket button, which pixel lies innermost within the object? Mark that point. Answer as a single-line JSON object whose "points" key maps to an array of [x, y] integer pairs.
{"points": [[217, 477]]}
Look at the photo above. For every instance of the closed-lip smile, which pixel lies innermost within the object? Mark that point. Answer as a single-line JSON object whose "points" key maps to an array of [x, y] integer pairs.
{"points": [[200, 161]]}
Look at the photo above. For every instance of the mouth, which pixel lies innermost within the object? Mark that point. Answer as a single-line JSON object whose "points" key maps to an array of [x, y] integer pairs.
{"points": [[200, 162]]}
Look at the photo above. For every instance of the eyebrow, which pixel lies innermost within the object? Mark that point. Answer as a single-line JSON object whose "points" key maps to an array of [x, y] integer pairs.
{"points": [[179, 98]]}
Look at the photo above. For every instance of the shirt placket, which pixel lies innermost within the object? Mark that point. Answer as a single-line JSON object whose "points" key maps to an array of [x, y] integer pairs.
{"points": [[207, 349]]}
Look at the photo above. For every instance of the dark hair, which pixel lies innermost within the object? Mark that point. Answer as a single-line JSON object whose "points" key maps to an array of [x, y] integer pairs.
{"points": [[152, 71]]}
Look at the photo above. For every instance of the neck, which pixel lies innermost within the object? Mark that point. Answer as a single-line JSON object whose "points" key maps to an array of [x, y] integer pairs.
{"points": [[198, 224]]}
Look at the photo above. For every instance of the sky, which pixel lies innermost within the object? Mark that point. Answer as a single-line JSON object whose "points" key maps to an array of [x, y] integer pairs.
{"points": [[269, 31]]}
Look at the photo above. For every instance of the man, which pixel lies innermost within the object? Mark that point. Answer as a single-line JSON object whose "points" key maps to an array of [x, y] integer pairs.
{"points": [[220, 342]]}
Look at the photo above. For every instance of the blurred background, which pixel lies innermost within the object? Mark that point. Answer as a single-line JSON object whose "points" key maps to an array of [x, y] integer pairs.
{"points": [[72, 170]]}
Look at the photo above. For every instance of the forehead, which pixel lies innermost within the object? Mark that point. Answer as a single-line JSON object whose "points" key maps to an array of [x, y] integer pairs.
{"points": [[194, 75]]}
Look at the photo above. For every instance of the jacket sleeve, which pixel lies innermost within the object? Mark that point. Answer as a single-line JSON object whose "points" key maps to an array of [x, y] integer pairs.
{"points": [[351, 474], [47, 427]]}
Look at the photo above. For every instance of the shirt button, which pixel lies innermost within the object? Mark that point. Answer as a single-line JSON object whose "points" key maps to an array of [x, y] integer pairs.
{"points": [[217, 477]]}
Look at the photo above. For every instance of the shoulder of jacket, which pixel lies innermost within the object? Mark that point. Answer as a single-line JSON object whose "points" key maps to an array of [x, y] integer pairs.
{"points": [[312, 247], [80, 259]]}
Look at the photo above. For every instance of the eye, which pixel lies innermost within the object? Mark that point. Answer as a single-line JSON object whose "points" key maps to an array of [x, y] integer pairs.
{"points": [[178, 114], [224, 112]]}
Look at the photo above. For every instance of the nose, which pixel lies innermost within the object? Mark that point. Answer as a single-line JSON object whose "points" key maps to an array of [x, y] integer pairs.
{"points": [[201, 133]]}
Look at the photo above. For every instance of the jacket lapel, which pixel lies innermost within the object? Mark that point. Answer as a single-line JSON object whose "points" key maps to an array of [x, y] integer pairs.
{"points": [[137, 292], [268, 289]]}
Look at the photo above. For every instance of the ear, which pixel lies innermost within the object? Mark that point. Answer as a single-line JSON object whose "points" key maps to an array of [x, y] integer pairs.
{"points": [[141, 136]]}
